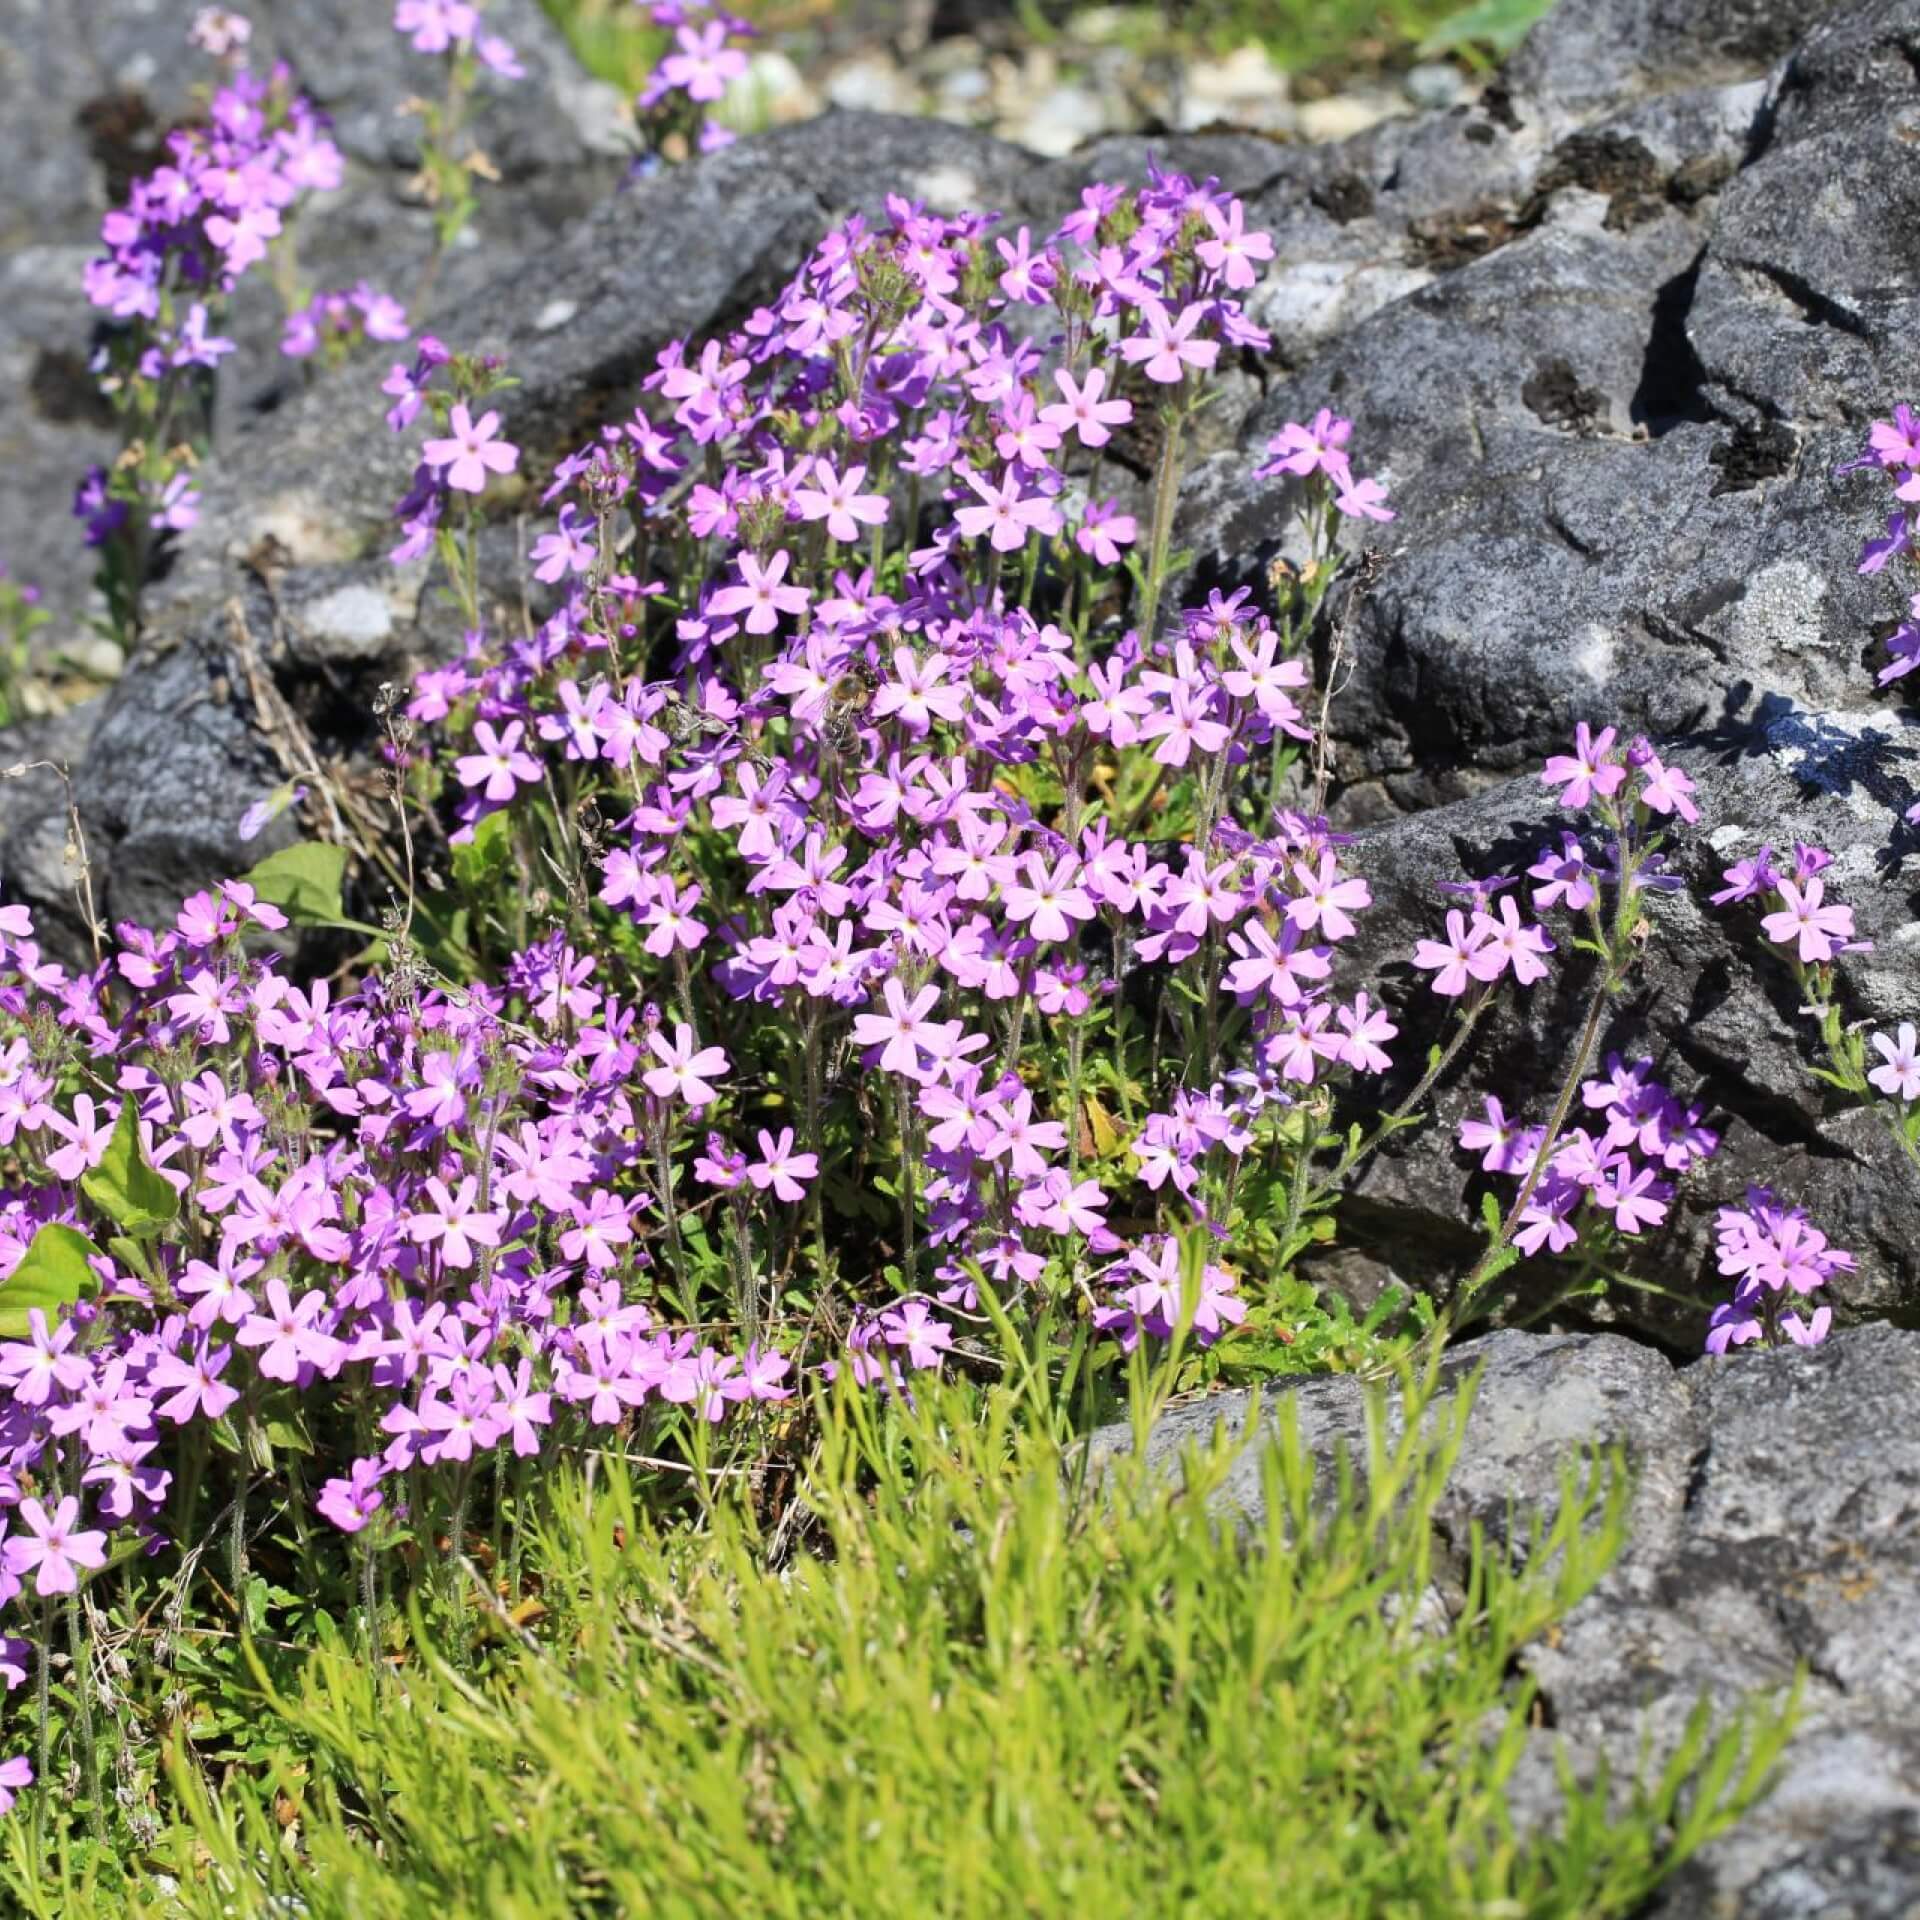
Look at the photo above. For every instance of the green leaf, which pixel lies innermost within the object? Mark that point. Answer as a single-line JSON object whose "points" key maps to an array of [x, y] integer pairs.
{"points": [[53, 1274], [305, 881], [1490, 1213], [483, 861], [125, 1188], [290, 1436], [131, 1254], [1499, 24]]}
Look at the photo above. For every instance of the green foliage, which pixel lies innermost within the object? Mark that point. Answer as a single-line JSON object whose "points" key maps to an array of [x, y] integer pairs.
{"points": [[124, 1187], [305, 881], [53, 1274], [21, 617], [1336, 36], [974, 1679], [1499, 25], [613, 39]]}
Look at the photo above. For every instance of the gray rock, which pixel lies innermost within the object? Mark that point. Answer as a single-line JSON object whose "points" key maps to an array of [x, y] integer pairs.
{"points": [[1609, 409], [1600, 52], [1810, 288], [1775, 1525], [38, 855]]}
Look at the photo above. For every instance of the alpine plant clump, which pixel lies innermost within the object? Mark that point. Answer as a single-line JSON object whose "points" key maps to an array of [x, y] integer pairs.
{"points": [[856, 905]]}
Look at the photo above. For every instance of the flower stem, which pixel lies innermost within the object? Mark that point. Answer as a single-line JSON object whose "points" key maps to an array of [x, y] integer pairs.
{"points": [[1165, 497]]}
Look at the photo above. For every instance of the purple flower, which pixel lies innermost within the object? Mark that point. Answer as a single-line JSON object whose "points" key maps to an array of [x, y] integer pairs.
{"points": [[1587, 771], [471, 452], [56, 1548]]}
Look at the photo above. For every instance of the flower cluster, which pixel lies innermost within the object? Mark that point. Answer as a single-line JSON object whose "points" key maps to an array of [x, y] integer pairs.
{"points": [[406, 1221], [333, 324], [692, 77], [1633, 795], [1769, 1251], [1610, 1179], [455, 29], [1152, 1296], [874, 798], [1320, 448], [172, 255], [460, 459], [1813, 930]]}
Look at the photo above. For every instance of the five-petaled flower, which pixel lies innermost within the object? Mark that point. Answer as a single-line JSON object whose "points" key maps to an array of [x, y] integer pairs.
{"points": [[471, 450]]}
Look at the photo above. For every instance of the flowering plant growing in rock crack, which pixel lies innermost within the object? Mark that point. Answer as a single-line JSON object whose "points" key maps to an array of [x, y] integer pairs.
{"points": [[455, 34], [859, 913], [225, 202]]}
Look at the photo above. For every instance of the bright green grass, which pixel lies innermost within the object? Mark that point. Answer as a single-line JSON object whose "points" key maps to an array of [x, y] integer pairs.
{"points": [[962, 1685], [1299, 34], [614, 39]]}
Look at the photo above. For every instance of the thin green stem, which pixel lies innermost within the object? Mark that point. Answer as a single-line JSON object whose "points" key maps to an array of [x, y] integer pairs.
{"points": [[1165, 498]]}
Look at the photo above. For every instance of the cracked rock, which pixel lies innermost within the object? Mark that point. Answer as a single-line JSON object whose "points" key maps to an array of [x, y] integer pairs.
{"points": [[1775, 1523]]}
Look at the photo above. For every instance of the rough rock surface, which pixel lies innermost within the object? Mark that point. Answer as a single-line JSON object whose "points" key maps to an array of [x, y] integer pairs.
{"points": [[1611, 421], [1775, 1524]]}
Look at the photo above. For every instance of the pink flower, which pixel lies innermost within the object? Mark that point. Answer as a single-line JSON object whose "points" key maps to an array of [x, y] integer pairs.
{"points": [[910, 1325], [917, 694], [569, 548], [1505, 942], [1167, 348], [1320, 448], [601, 1227], [1586, 771], [471, 452], [1231, 251], [902, 1031], [1363, 500], [839, 502], [1822, 931], [15, 1773], [1636, 1202], [193, 1386], [760, 595], [1103, 531], [1666, 790], [88, 1138], [1367, 1029], [1327, 901], [455, 1219], [351, 1502], [1083, 411], [500, 767], [289, 1333], [55, 1545], [1503, 1145], [1899, 1076], [685, 1068], [1451, 961], [704, 64], [435, 24], [1274, 966], [780, 1168], [1004, 515], [1049, 899]]}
